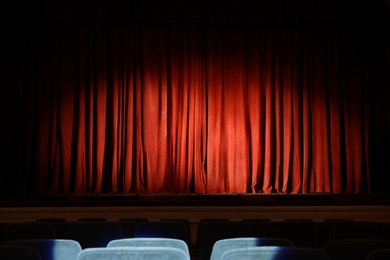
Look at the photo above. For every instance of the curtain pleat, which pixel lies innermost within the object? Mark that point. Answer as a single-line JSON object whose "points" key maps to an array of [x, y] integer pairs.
{"points": [[212, 106]]}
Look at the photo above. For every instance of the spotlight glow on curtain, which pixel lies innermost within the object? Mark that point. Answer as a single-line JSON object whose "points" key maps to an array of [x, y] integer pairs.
{"points": [[207, 107]]}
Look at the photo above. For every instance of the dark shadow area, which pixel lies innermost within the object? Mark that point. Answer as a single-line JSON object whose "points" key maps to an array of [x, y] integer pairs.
{"points": [[199, 200]]}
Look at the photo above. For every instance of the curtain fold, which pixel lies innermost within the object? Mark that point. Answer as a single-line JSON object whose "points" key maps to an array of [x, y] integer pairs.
{"points": [[216, 105]]}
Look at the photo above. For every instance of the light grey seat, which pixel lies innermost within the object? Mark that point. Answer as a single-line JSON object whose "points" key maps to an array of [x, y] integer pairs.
{"points": [[223, 245], [49, 249], [133, 253], [275, 253], [150, 242]]}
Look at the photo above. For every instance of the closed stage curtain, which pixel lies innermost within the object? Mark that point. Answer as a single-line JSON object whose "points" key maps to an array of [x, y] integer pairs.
{"points": [[201, 97]]}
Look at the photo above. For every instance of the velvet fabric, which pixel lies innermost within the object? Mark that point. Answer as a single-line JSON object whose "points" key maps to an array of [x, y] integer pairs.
{"points": [[195, 97]]}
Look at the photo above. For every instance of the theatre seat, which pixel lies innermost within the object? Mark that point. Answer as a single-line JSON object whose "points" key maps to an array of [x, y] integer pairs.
{"points": [[211, 231], [19, 253], [275, 253], [357, 230], [128, 225], [150, 242], [95, 234], [379, 254], [50, 249], [27, 230], [163, 229], [258, 226], [301, 233], [223, 245], [356, 249], [386, 230], [134, 253], [186, 224]]}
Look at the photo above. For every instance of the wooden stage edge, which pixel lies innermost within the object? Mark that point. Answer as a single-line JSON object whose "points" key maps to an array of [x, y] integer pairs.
{"points": [[194, 207]]}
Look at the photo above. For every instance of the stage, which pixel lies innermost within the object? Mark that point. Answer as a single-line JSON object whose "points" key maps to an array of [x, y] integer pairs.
{"points": [[315, 206], [241, 199]]}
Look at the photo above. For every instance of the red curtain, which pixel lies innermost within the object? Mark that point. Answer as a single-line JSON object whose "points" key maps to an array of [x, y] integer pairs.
{"points": [[197, 97]]}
